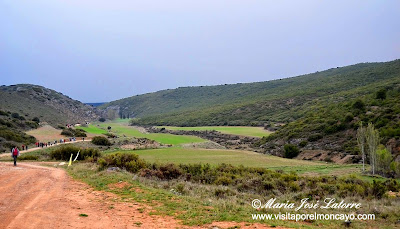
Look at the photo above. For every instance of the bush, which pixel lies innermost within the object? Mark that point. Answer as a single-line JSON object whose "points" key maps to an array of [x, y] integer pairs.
{"points": [[36, 119], [28, 157], [359, 104], [74, 132], [378, 189], [59, 126], [102, 119], [303, 143], [3, 113], [223, 180], [381, 94], [15, 115], [101, 141], [314, 137], [170, 171], [64, 153], [349, 117], [291, 151], [110, 135], [128, 161], [222, 192]]}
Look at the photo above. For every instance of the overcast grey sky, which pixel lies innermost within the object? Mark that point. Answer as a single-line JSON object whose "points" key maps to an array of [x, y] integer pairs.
{"points": [[97, 50]]}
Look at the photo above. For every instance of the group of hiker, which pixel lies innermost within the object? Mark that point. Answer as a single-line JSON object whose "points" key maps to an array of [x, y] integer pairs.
{"points": [[15, 151]]}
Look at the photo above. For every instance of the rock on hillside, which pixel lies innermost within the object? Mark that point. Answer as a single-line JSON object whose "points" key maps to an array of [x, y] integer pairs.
{"points": [[48, 105]]}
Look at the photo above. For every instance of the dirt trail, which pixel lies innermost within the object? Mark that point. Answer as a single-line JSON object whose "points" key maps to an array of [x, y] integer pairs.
{"points": [[38, 148], [32, 196]]}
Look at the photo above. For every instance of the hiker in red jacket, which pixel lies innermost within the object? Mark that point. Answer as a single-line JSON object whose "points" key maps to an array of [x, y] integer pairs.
{"points": [[15, 154]]}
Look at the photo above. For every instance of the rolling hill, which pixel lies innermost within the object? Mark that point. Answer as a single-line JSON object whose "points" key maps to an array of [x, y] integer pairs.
{"points": [[258, 103], [48, 105], [24, 106], [318, 113]]}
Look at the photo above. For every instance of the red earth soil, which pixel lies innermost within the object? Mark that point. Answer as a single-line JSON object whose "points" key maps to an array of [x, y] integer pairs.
{"points": [[32, 196]]}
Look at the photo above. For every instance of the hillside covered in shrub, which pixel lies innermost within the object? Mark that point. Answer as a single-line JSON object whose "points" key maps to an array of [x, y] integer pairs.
{"points": [[279, 101], [48, 105], [12, 127], [331, 123]]}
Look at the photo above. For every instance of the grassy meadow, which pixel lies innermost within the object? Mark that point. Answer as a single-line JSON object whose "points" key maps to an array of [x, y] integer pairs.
{"points": [[215, 157], [249, 131], [121, 128], [92, 129]]}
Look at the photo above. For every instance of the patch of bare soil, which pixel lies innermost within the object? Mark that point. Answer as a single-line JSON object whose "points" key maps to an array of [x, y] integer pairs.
{"points": [[204, 145], [33, 196], [46, 133]]}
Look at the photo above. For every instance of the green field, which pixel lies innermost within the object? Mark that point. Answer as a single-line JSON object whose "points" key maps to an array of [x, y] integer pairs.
{"points": [[121, 128], [236, 130], [236, 157], [92, 129]]}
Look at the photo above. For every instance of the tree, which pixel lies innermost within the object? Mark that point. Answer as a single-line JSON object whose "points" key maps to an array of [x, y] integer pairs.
{"points": [[102, 119], [36, 119], [361, 140], [384, 158], [372, 137]]}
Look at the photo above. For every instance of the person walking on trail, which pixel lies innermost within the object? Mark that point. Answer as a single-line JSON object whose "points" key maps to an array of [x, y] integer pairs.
{"points": [[15, 154]]}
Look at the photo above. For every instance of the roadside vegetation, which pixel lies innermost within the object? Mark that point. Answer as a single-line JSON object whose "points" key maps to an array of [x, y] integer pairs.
{"points": [[200, 193]]}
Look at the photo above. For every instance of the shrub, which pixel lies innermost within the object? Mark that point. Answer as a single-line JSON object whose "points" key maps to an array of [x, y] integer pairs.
{"points": [[303, 143], [291, 151], [74, 132], [381, 94], [378, 189], [36, 119], [3, 113], [110, 135], [359, 104], [101, 141], [28, 157], [223, 180], [102, 119], [130, 162], [349, 117], [60, 127], [335, 128], [16, 136], [64, 153], [222, 192], [170, 171], [15, 115], [314, 137], [32, 124], [392, 185]]}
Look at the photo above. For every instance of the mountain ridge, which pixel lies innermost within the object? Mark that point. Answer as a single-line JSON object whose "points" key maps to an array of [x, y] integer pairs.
{"points": [[259, 102], [48, 105]]}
